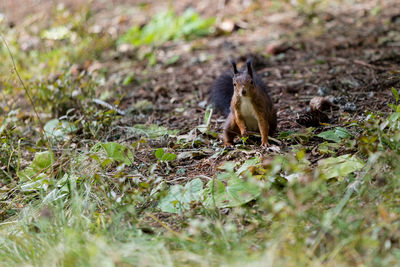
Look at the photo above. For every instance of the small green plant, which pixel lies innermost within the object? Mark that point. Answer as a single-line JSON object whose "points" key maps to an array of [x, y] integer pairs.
{"points": [[167, 26], [164, 157], [109, 152], [395, 107], [309, 8], [38, 167]]}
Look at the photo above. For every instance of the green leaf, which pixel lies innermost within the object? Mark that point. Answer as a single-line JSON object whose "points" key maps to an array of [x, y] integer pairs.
{"points": [[342, 132], [153, 131], [339, 166], [396, 94], [285, 135], [325, 147], [61, 190], [152, 59], [39, 165], [128, 79], [107, 162], [116, 152], [203, 128], [394, 117], [179, 197], [237, 192], [159, 153], [207, 116], [59, 129], [168, 157], [335, 135], [247, 164], [228, 166], [57, 33], [172, 60], [41, 182]]}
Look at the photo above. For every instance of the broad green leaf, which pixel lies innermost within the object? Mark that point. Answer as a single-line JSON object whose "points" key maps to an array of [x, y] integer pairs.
{"points": [[247, 164], [193, 189], [179, 197], [335, 135], [214, 194], [106, 162], [330, 135], [43, 160], [241, 192], [339, 166], [342, 132], [41, 182], [284, 135], [394, 117], [168, 157], [40, 164], [159, 153], [59, 129], [153, 131], [172, 60], [118, 152], [61, 190], [228, 166], [237, 192], [325, 147]]}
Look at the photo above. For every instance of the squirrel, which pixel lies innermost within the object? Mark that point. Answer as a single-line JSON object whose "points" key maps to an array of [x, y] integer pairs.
{"points": [[244, 99]]}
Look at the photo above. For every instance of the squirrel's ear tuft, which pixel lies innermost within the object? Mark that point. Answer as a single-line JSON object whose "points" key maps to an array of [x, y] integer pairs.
{"points": [[249, 67], [235, 71]]}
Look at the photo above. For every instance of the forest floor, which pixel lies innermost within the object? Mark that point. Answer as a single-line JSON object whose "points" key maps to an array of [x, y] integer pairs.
{"points": [[325, 196]]}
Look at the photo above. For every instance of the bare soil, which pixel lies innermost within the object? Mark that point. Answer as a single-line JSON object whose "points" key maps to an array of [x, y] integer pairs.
{"points": [[349, 55]]}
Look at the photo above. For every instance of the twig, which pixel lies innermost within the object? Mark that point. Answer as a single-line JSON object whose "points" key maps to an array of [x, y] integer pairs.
{"points": [[109, 106], [362, 63], [359, 62], [41, 125]]}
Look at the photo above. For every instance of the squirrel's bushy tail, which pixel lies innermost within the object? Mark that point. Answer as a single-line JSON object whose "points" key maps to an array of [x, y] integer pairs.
{"points": [[222, 92]]}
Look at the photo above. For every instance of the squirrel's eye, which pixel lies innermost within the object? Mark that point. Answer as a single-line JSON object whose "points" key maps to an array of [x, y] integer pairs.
{"points": [[251, 82], [234, 84]]}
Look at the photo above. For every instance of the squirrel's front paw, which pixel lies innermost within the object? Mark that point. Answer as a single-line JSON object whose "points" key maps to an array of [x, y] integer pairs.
{"points": [[244, 133], [265, 145], [228, 145]]}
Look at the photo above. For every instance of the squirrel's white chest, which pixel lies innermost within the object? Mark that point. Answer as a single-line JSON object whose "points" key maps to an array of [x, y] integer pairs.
{"points": [[249, 114]]}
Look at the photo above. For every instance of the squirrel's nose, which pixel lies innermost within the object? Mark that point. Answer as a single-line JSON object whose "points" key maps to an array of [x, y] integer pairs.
{"points": [[244, 92]]}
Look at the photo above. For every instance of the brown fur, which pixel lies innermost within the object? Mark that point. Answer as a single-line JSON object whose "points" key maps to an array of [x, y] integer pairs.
{"points": [[265, 114]]}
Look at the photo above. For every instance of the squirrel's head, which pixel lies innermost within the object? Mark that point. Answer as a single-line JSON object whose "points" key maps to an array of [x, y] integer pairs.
{"points": [[243, 81]]}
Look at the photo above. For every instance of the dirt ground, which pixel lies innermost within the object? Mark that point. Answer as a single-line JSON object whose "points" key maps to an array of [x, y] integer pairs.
{"points": [[353, 58], [350, 53]]}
